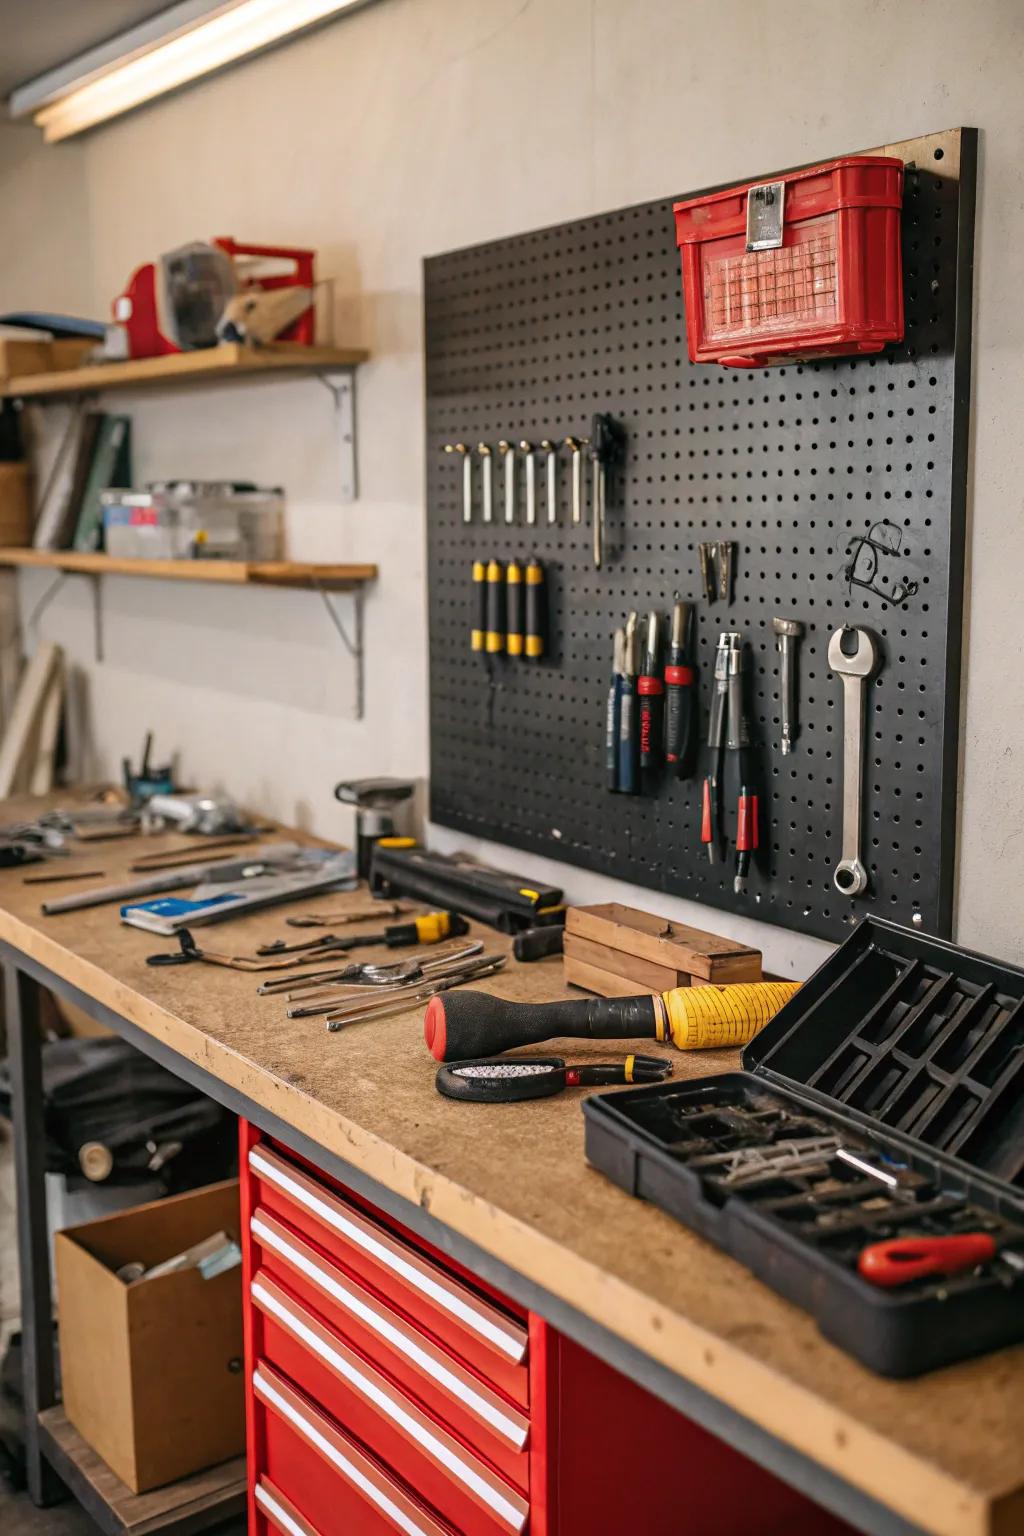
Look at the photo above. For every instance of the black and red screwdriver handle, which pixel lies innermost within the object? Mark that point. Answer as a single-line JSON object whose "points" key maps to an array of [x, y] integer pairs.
{"points": [[460, 1025], [903, 1259]]}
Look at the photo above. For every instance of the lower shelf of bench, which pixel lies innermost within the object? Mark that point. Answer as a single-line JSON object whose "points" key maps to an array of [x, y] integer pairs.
{"points": [[194, 1504]]}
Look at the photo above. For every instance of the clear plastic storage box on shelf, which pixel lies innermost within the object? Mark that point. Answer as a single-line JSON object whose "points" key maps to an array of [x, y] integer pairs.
{"points": [[195, 520]]}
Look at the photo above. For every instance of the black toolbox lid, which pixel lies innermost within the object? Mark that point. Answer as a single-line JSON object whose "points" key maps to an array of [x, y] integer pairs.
{"points": [[915, 1034]]}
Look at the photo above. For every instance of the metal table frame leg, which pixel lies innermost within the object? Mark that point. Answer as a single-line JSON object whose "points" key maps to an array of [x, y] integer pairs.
{"points": [[21, 995]]}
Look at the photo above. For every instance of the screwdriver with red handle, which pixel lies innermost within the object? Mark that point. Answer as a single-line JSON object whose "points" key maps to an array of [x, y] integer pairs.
{"points": [[680, 694], [902, 1259], [650, 688]]}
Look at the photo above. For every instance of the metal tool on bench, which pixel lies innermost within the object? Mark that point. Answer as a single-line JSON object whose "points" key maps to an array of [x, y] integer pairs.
{"points": [[681, 715], [382, 973], [374, 1008], [787, 639], [467, 478], [364, 914], [486, 480], [850, 876], [576, 446], [530, 471], [692, 1018], [503, 1080], [335, 992], [430, 928], [375, 802], [508, 455], [551, 479]]}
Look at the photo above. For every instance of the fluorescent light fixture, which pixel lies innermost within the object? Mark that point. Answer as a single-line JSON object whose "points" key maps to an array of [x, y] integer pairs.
{"points": [[194, 40]]}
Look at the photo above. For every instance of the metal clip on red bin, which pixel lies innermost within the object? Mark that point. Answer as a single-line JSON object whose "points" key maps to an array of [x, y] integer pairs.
{"points": [[804, 266]]}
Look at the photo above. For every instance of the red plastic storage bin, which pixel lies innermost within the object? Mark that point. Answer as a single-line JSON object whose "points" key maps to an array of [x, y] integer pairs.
{"points": [[804, 266]]}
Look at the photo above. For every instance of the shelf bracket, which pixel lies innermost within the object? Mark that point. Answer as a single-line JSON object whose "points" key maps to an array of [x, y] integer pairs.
{"points": [[354, 644], [342, 387]]}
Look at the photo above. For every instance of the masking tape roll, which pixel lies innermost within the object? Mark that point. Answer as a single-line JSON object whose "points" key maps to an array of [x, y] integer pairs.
{"points": [[711, 1018]]}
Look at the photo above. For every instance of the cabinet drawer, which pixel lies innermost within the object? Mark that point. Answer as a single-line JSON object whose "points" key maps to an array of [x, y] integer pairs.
{"points": [[363, 1402], [487, 1338], [317, 1479], [449, 1392], [276, 1515]]}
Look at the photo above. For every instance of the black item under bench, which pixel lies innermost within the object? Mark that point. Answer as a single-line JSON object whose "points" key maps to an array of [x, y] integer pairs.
{"points": [[910, 1051], [528, 337]]}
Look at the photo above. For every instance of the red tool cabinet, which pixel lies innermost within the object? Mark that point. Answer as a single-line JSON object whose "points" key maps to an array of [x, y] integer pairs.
{"points": [[391, 1393]]}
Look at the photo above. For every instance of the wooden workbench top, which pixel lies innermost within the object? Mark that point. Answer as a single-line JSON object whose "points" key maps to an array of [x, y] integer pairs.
{"points": [[945, 1451]]}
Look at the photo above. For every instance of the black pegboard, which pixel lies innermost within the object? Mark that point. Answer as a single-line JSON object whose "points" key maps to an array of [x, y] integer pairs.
{"points": [[526, 338]]}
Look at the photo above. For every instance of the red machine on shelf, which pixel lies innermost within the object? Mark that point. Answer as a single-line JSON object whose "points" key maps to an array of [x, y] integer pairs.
{"points": [[178, 302], [804, 266]]}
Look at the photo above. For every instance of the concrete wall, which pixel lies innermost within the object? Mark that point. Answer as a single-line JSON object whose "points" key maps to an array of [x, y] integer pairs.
{"points": [[419, 125]]}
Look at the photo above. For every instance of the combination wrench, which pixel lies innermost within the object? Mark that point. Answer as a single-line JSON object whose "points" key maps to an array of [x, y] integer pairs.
{"points": [[849, 875]]}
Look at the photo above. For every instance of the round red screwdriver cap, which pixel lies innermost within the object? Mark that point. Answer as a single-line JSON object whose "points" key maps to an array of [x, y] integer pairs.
{"points": [[435, 1029]]}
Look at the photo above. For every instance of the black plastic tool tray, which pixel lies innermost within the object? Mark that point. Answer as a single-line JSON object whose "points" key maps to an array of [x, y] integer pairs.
{"points": [[906, 1047]]}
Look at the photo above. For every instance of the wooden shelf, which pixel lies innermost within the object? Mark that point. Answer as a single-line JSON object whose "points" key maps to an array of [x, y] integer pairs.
{"points": [[277, 573], [194, 1504], [209, 365]]}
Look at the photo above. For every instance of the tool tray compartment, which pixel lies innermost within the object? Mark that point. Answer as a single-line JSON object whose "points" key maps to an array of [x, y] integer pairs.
{"points": [[907, 1051]]}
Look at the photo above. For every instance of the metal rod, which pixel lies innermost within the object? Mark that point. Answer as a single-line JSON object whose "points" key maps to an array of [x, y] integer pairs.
{"points": [[21, 996]]}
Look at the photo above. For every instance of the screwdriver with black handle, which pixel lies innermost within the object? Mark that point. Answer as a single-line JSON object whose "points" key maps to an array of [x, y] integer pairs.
{"points": [[478, 632], [741, 768], [680, 694], [650, 688], [494, 640], [711, 789], [536, 609], [514, 608]]}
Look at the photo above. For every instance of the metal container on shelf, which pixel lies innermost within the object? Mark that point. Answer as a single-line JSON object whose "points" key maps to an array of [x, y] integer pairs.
{"points": [[195, 520]]}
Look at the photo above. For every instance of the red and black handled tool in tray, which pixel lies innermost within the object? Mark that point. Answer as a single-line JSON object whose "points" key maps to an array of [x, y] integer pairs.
{"points": [[903, 1259], [680, 694]]}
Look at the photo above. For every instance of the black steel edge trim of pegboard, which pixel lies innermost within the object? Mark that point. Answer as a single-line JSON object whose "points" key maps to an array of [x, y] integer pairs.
{"points": [[784, 1461], [962, 396]]}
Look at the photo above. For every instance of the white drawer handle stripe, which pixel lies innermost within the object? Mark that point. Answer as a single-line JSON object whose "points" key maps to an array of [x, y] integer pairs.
{"points": [[511, 1344], [345, 1467], [411, 1426], [514, 1432], [280, 1517]]}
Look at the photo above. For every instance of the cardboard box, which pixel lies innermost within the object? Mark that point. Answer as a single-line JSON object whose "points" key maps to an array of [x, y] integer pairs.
{"points": [[20, 356], [15, 505], [152, 1372]]}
